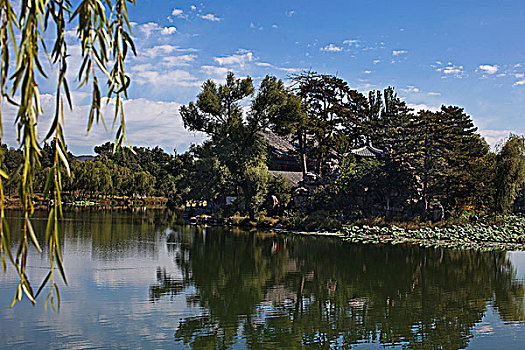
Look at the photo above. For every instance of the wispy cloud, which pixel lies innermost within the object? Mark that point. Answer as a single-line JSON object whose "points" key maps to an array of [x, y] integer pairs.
{"points": [[162, 50], [237, 59], [449, 70], [399, 52], [410, 89], [164, 78], [352, 42], [182, 60], [269, 65], [289, 13], [214, 71], [331, 48], [210, 17], [254, 26]]}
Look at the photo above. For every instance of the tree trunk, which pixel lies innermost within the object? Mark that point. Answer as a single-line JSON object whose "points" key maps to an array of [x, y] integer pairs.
{"points": [[302, 151]]}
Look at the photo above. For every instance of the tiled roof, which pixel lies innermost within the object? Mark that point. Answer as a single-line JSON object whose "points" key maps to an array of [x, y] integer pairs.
{"points": [[281, 144], [293, 177], [367, 151]]}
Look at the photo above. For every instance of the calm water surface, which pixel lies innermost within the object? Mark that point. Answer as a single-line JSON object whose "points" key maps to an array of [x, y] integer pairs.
{"points": [[140, 281]]}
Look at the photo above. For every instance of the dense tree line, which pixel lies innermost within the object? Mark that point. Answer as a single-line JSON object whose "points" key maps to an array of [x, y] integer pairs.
{"points": [[141, 171], [429, 156]]}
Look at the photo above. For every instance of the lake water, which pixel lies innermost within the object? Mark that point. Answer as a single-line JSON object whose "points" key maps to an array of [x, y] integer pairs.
{"points": [[141, 281]]}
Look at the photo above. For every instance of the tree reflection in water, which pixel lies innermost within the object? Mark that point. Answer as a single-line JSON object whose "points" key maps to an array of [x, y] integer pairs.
{"points": [[268, 290]]}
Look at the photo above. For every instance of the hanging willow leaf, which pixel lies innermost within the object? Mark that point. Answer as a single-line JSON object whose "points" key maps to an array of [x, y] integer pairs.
{"points": [[104, 35], [43, 284], [32, 235]]}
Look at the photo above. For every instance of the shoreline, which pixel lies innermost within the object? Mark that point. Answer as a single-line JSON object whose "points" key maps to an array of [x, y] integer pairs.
{"points": [[506, 235]]}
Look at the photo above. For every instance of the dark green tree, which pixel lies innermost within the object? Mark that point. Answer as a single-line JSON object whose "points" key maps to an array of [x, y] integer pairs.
{"points": [[389, 122], [510, 172], [333, 110], [235, 154]]}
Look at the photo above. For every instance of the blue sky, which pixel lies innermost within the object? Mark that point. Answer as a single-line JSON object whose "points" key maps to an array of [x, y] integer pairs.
{"points": [[460, 52]]}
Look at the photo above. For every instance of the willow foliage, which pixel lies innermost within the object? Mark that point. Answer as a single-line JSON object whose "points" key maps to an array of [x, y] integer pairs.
{"points": [[29, 35]]}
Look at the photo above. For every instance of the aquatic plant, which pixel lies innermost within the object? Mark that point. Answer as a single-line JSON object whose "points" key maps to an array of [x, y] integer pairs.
{"points": [[510, 235]]}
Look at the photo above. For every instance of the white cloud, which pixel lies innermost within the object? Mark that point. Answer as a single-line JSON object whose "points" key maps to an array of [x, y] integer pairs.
{"points": [[289, 70], [142, 67], [193, 7], [373, 46], [352, 42], [214, 71], [366, 87], [434, 94], [519, 75], [410, 89], [161, 50], [152, 29], [210, 17], [152, 123], [182, 60], [275, 26], [494, 137], [253, 26], [331, 48], [71, 34], [450, 69], [239, 59], [269, 65], [289, 13], [376, 61], [177, 13], [367, 71], [488, 69], [168, 30], [162, 79], [148, 28], [422, 107], [399, 52], [519, 82], [148, 123]]}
